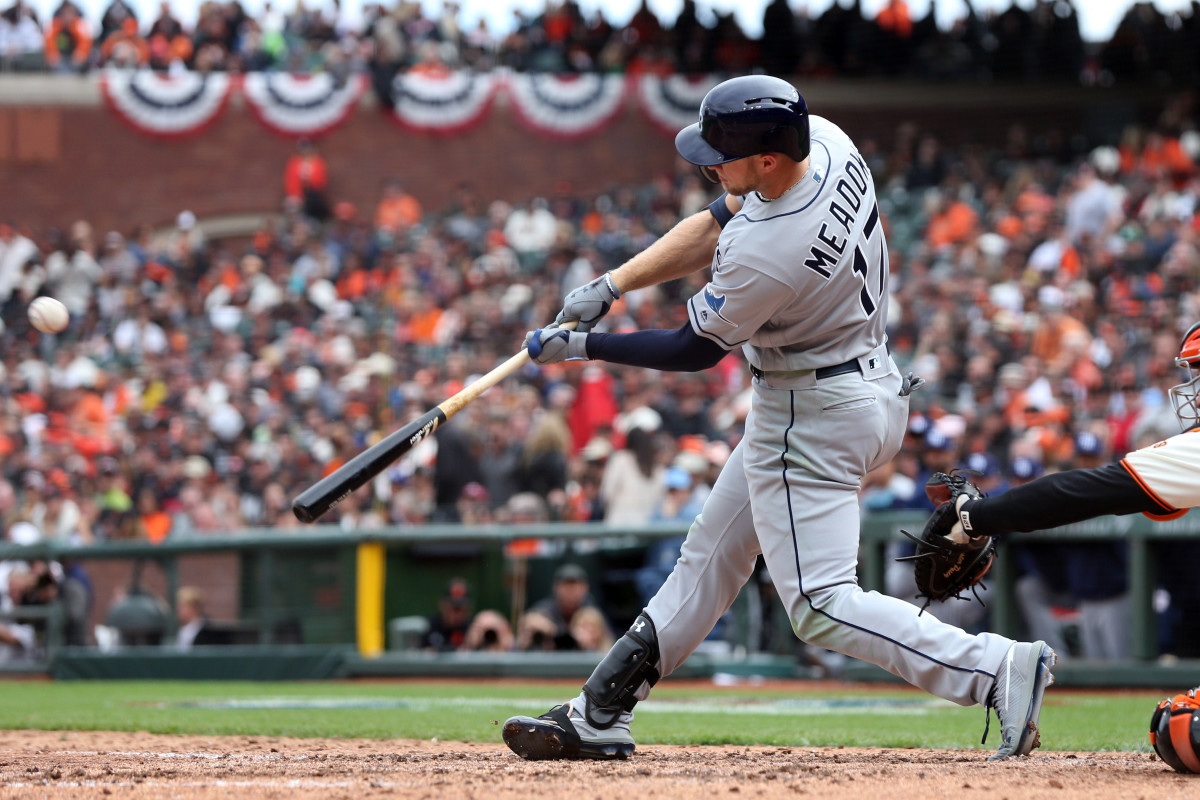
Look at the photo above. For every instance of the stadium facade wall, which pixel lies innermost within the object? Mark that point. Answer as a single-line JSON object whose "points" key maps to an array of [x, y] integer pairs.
{"points": [[65, 156]]}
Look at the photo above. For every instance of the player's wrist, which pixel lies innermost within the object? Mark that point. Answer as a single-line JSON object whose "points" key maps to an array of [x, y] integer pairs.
{"points": [[613, 289]]}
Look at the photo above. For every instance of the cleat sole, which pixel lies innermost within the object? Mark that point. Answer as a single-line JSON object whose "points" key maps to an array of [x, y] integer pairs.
{"points": [[539, 740]]}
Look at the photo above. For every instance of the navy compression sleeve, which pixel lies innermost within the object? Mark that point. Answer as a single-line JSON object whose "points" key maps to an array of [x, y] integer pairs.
{"points": [[676, 351], [1059, 499], [720, 211]]}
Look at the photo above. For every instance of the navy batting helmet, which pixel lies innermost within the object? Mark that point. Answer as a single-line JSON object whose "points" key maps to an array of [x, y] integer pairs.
{"points": [[744, 117]]}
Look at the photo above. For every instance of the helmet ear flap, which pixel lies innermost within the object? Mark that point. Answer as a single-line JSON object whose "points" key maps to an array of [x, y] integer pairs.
{"points": [[1160, 735]]}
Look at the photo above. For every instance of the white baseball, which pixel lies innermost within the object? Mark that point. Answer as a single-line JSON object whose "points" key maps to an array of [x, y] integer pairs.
{"points": [[48, 315]]}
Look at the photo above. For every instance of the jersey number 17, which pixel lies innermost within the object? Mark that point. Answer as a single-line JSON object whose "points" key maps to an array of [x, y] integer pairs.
{"points": [[862, 268]]}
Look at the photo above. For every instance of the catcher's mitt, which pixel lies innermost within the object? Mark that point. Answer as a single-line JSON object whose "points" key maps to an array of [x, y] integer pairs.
{"points": [[948, 561]]}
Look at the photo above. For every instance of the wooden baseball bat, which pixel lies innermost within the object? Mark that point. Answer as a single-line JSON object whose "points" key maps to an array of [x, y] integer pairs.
{"points": [[334, 487]]}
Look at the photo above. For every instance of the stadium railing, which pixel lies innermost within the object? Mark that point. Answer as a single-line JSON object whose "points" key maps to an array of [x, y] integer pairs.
{"points": [[317, 602]]}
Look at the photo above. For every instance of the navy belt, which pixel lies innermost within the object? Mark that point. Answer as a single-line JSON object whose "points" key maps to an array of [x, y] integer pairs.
{"points": [[822, 372]]}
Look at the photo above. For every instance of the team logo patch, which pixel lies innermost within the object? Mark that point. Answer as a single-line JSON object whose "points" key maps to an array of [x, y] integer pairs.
{"points": [[716, 302]]}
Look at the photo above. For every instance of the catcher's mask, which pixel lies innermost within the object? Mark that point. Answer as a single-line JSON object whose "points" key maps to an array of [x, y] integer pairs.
{"points": [[1185, 397], [743, 117], [1175, 732]]}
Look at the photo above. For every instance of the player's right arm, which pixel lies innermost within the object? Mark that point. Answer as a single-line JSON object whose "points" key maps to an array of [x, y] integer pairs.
{"points": [[684, 249]]}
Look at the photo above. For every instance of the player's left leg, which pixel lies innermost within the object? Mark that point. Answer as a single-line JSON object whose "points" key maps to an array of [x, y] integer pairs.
{"points": [[803, 478], [716, 559]]}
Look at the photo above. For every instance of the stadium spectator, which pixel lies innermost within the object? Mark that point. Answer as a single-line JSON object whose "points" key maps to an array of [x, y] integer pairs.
{"points": [[447, 629], [543, 468], [633, 486], [17, 640], [125, 47], [116, 14], [1014, 45], [555, 622], [169, 43], [22, 44], [16, 250], [68, 40], [194, 627], [397, 210], [71, 270], [306, 182]]}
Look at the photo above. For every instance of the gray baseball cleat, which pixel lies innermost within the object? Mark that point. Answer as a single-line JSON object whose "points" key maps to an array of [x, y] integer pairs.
{"points": [[1017, 697], [562, 732]]}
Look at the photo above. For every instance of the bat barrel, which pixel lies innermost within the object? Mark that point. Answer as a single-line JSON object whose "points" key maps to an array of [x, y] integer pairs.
{"points": [[334, 487]]}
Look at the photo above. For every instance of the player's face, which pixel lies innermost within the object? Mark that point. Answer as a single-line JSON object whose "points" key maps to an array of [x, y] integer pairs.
{"points": [[740, 177]]}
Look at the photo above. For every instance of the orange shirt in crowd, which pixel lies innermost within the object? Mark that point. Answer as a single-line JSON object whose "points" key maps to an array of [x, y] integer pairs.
{"points": [[304, 171], [423, 326], [128, 35], [1049, 342], [67, 36], [156, 524], [895, 18], [952, 226], [397, 212], [1161, 157], [91, 414]]}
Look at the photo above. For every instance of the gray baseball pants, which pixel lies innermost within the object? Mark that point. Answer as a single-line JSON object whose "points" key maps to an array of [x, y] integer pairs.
{"points": [[790, 492]]}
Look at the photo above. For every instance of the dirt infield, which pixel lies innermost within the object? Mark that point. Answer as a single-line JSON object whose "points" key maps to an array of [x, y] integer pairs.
{"points": [[37, 764]]}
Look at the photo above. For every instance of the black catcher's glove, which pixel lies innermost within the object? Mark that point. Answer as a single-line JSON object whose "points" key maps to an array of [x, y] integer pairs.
{"points": [[948, 561]]}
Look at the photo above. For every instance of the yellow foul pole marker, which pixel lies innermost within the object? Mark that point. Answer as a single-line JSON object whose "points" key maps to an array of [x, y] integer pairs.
{"points": [[369, 612]]}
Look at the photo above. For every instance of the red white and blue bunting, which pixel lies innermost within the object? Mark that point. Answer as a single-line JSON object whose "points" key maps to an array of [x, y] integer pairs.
{"points": [[557, 106], [302, 105], [442, 104], [166, 104], [673, 102], [566, 106]]}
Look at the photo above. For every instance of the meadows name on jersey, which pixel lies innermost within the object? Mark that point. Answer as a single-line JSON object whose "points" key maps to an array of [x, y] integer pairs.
{"points": [[849, 191]]}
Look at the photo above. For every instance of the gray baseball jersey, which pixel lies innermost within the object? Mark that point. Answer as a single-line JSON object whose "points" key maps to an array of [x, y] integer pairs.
{"points": [[800, 282]]}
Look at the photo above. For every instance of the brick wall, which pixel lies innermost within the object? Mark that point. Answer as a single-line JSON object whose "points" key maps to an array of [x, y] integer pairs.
{"points": [[61, 164], [66, 161]]}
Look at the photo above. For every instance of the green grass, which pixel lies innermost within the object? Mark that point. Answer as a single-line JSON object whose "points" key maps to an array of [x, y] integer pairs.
{"points": [[473, 712]]}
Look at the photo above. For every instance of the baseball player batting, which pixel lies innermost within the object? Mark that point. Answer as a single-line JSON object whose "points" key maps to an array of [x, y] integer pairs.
{"points": [[1161, 481], [800, 284]]}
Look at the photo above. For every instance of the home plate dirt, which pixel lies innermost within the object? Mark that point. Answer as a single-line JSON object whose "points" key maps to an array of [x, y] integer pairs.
{"points": [[39, 764]]}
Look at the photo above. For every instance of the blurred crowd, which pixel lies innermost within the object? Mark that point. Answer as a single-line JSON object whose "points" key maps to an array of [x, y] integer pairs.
{"points": [[1017, 43], [1040, 288]]}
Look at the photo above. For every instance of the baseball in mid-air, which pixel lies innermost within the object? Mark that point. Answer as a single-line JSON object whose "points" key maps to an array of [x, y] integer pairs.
{"points": [[48, 315]]}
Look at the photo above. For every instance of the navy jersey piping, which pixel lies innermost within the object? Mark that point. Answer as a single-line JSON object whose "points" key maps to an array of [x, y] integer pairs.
{"points": [[800, 577], [821, 188], [701, 332]]}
